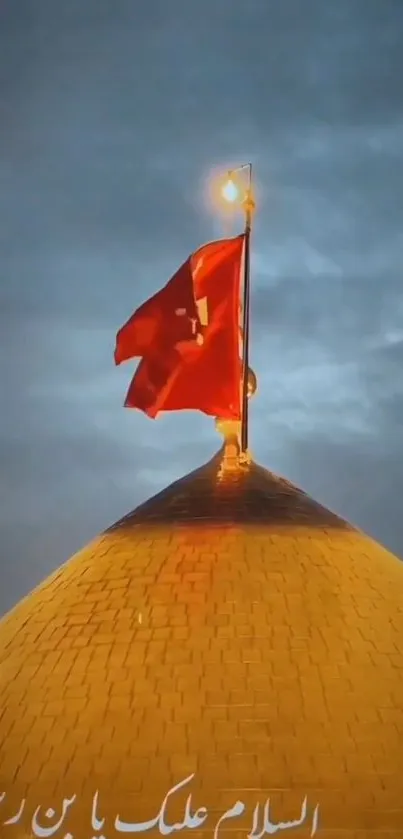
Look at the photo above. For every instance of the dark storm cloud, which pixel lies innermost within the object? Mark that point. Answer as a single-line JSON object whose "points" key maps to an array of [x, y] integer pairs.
{"points": [[112, 116]]}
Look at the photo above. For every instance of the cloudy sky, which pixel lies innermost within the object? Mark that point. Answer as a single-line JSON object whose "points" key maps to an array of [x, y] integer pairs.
{"points": [[113, 113]]}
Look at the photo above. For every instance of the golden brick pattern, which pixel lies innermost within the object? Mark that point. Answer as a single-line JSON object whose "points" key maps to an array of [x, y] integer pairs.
{"points": [[264, 655]]}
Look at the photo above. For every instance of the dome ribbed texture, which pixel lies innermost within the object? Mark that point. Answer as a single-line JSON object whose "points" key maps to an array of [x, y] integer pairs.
{"points": [[231, 629]]}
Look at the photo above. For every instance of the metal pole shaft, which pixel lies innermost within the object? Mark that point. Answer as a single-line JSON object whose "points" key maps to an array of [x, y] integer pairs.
{"points": [[245, 327]]}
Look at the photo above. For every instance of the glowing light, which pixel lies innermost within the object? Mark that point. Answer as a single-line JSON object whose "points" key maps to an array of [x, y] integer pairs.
{"points": [[230, 191]]}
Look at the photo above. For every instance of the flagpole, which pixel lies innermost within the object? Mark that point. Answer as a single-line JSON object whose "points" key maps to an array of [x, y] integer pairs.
{"points": [[230, 193], [248, 206]]}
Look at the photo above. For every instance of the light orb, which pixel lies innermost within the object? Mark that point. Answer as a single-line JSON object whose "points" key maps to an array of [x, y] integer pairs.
{"points": [[230, 191]]}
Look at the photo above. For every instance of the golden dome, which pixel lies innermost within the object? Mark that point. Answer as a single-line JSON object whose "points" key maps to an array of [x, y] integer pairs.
{"points": [[230, 636]]}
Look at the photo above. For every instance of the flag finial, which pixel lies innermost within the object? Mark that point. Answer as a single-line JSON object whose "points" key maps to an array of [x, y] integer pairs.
{"points": [[231, 430]]}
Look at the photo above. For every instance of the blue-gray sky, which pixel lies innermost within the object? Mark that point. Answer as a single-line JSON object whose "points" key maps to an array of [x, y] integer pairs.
{"points": [[112, 115]]}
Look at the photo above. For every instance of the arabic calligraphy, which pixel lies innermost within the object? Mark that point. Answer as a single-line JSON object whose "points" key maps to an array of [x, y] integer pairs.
{"points": [[46, 823], [46, 832], [269, 828], [190, 821], [236, 810]]}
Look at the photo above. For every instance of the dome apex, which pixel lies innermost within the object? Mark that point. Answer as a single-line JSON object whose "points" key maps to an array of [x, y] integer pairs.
{"points": [[247, 494]]}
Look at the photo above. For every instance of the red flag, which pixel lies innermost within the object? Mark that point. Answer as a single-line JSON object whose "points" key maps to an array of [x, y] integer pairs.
{"points": [[199, 370], [168, 317]]}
